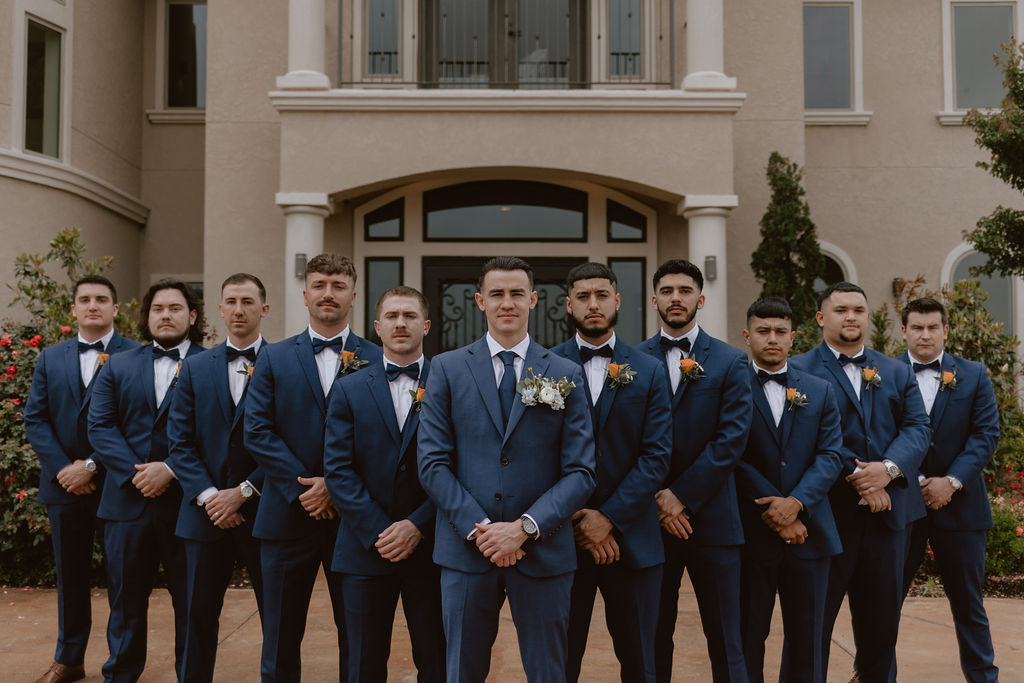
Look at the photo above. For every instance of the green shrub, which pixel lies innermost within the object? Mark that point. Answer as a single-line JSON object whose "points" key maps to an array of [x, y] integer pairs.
{"points": [[1005, 556]]}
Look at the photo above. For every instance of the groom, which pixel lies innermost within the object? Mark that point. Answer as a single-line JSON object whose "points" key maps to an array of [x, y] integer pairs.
{"points": [[506, 480]]}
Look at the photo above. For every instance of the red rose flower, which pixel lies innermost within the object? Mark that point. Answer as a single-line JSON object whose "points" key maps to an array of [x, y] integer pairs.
{"points": [[12, 370], [22, 495], [65, 329]]}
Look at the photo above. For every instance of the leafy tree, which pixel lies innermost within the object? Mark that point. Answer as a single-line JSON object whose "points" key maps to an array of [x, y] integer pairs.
{"points": [[1000, 235], [788, 259]]}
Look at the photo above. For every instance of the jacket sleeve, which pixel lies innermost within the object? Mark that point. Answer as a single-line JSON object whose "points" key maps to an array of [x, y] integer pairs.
{"points": [[984, 432], [182, 439], [818, 479], [38, 423], [105, 436], [909, 447]]}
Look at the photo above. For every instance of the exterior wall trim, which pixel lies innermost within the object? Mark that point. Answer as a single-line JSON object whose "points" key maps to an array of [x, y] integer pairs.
{"points": [[42, 171], [842, 257], [837, 118], [509, 100], [176, 115]]}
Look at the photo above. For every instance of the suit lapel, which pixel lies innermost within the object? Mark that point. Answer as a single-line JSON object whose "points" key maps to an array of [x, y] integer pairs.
{"points": [[833, 366], [789, 415], [193, 349], [763, 407], [537, 361], [219, 368], [412, 420], [700, 352], [74, 371], [942, 397], [480, 367], [867, 396], [306, 359], [377, 382], [146, 372], [620, 356]]}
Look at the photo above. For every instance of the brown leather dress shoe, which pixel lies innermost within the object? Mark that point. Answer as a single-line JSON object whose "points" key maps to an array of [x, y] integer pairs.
{"points": [[59, 673]]}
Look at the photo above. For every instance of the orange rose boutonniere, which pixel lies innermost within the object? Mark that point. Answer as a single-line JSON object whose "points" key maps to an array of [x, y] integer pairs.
{"points": [[691, 369], [246, 369], [871, 378], [350, 361], [947, 380], [417, 397], [619, 374], [795, 398], [102, 359]]}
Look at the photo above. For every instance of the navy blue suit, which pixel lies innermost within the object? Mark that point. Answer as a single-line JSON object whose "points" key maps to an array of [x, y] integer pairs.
{"points": [[56, 421], [205, 433], [887, 422], [633, 432], [370, 467], [474, 468], [284, 431], [710, 423], [127, 428], [964, 435], [799, 458]]}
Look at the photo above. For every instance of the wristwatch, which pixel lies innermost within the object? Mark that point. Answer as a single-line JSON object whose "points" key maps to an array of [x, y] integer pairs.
{"points": [[529, 526], [90, 465], [892, 469], [954, 482], [246, 489]]}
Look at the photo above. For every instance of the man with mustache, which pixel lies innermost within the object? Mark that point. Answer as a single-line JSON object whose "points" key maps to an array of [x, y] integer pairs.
{"points": [[711, 414], [297, 523]]}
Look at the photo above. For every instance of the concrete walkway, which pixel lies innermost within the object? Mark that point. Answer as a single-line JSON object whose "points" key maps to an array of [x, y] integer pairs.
{"points": [[927, 649]]}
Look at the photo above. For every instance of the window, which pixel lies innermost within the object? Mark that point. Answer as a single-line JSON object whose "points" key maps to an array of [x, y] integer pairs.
{"points": [[381, 275], [833, 89], [625, 33], [999, 289], [631, 276], [625, 224], [186, 54], [42, 90], [833, 274], [385, 223], [382, 38], [978, 31]]}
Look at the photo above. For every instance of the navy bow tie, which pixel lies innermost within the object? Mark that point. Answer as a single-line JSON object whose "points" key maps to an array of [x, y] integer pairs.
{"points": [[934, 365], [765, 377], [234, 354], [95, 346], [394, 371], [338, 344], [586, 353], [682, 344], [173, 354], [856, 360]]}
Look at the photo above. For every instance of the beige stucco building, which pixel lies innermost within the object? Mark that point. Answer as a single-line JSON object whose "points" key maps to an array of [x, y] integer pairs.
{"points": [[421, 136]]}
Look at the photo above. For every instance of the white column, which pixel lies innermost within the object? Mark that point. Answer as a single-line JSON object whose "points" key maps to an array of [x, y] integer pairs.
{"points": [[705, 47], [305, 47], [707, 249], [304, 214]]}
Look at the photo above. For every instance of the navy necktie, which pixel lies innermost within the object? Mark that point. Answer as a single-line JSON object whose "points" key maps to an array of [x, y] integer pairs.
{"points": [[856, 360], [934, 365], [765, 377], [395, 371], [681, 344], [507, 386], [174, 354], [338, 343], [234, 354], [587, 353], [95, 346]]}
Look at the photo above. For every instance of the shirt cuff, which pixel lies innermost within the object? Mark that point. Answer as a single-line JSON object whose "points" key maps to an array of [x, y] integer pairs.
{"points": [[954, 482], [536, 536], [205, 495], [475, 531], [920, 478], [801, 503], [170, 470], [254, 489], [889, 463]]}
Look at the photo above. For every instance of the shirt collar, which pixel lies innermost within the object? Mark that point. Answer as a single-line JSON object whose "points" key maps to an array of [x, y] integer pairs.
{"points": [[838, 353], [519, 349], [183, 348], [921, 362], [343, 334], [757, 367], [105, 338], [691, 335], [255, 345], [585, 344], [418, 361]]}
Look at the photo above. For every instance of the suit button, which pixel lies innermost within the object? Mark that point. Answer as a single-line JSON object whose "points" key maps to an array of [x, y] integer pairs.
{"points": [[497, 496], [401, 468], [505, 461], [784, 463], [598, 453]]}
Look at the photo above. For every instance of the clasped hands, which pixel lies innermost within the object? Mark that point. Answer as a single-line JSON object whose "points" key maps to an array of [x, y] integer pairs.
{"points": [[593, 532], [672, 514], [937, 492], [76, 479], [222, 508], [781, 516], [152, 478], [316, 500], [870, 482], [500, 542]]}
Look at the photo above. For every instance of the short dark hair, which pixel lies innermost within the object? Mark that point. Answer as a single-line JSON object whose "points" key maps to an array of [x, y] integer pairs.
{"points": [[770, 307], [331, 264], [839, 287], [925, 304], [402, 290], [504, 263], [94, 280], [241, 279], [195, 332], [678, 266], [586, 271]]}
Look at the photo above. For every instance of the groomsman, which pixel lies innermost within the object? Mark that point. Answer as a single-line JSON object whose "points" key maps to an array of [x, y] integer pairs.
{"points": [[141, 497], [219, 478], [70, 481], [386, 535], [885, 436], [789, 465], [618, 539], [700, 519], [505, 479], [284, 430], [959, 399]]}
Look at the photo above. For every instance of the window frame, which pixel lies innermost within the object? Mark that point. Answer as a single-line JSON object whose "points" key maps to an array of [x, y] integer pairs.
{"points": [[161, 112], [950, 115], [856, 115]]}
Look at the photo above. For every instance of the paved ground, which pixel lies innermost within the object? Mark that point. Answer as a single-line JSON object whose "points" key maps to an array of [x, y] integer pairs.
{"points": [[927, 649]]}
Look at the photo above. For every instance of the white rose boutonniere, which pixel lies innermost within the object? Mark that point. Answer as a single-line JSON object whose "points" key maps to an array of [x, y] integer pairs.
{"points": [[537, 389]]}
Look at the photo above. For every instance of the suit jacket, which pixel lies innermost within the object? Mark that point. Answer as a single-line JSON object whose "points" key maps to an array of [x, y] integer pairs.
{"points": [[126, 428], [205, 435], [57, 411], [888, 422], [964, 434], [541, 464], [370, 467], [284, 430], [710, 423], [799, 458], [633, 431]]}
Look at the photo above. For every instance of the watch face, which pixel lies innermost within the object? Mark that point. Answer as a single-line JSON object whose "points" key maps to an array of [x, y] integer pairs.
{"points": [[246, 491], [529, 527]]}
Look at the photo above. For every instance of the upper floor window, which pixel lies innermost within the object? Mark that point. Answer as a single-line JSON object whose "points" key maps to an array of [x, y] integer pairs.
{"points": [[833, 86], [42, 89], [186, 54], [978, 31]]}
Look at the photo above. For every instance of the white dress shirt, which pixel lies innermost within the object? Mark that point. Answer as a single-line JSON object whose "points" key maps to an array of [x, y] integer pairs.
{"points": [[237, 375], [675, 354], [89, 361], [596, 369], [400, 387], [853, 372], [774, 392], [165, 370], [928, 382], [328, 362]]}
